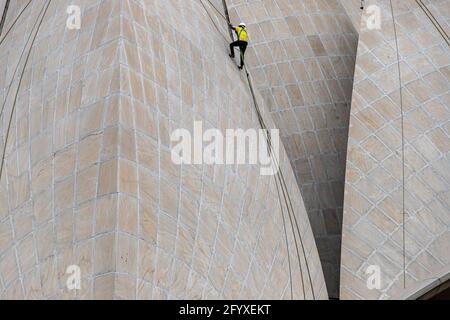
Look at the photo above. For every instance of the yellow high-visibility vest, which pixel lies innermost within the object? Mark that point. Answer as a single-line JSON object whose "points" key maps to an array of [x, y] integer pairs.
{"points": [[242, 34]]}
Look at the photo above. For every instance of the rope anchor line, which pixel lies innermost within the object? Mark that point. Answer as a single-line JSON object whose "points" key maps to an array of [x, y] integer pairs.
{"points": [[37, 23], [3, 18], [286, 194], [212, 20], [434, 21], [280, 180], [403, 146], [13, 23]]}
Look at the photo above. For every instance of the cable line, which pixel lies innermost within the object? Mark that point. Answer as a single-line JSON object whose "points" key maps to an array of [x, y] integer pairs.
{"points": [[20, 80], [5, 13], [282, 181], [286, 194], [14, 22], [403, 146], [286, 239], [279, 175], [212, 20], [227, 17], [434, 21], [18, 64], [217, 10], [259, 118], [283, 184]]}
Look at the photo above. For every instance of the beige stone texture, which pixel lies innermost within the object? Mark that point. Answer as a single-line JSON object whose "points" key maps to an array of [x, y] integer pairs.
{"points": [[375, 228], [302, 55], [88, 179]]}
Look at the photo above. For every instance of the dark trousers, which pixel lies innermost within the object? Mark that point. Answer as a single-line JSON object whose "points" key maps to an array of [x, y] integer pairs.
{"points": [[242, 46]]}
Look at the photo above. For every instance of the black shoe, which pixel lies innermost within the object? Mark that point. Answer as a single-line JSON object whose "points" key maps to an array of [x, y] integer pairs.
{"points": [[241, 67]]}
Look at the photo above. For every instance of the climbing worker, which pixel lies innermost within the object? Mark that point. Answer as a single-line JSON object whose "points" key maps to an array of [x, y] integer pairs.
{"points": [[242, 41]]}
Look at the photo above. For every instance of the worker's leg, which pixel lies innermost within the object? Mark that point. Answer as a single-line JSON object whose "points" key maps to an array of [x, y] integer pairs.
{"points": [[232, 45], [243, 48]]}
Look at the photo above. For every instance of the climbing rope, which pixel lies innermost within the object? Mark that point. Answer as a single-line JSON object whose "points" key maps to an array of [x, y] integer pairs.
{"points": [[403, 146], [442, 32], [46, 6], [286, 239], [14, 22], [286, 194], [434, 21], [227, 17], [217, 10], [5, 13], [212, 20], [281, 183], [18, 65], [278, 179]]}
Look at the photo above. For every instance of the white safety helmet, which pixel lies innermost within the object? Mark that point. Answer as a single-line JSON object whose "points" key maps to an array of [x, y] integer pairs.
{"points": [[242, 24]]}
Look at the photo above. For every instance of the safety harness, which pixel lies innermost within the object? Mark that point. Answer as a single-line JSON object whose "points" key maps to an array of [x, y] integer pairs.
{"points": [[240, 32]]}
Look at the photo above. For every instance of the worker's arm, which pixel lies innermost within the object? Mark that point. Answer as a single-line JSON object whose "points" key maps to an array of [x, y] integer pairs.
{"points": [[232, 27]]}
